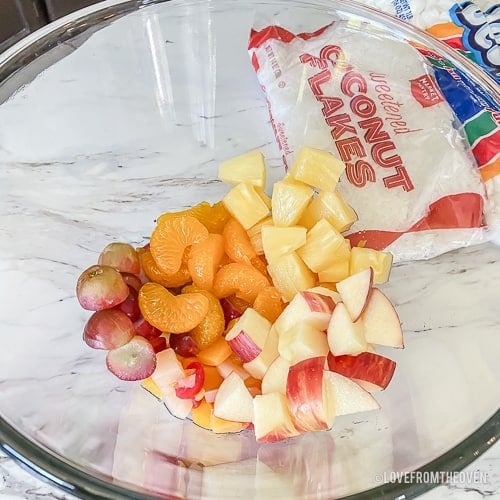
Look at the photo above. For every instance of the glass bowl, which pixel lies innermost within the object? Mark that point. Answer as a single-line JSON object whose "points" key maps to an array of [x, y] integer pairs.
{"points": [[122, 111]]}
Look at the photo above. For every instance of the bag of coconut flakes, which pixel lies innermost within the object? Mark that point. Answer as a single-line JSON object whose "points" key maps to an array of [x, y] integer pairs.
{"points": [[410, 174]]}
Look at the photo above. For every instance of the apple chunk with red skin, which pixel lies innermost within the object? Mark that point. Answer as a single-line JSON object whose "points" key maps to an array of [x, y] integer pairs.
{"points": [[355, 291], [381, 321], [308, 307], [344, 335], [368, 367], [310, 400], [272, 419], [248, 335]]}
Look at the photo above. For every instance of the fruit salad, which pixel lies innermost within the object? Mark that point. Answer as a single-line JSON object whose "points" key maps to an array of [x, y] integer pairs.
{"points": [[251, 313]]}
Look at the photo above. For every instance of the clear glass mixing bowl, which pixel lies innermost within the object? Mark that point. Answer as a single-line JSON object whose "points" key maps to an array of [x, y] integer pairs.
{"points": [[122, 111]]}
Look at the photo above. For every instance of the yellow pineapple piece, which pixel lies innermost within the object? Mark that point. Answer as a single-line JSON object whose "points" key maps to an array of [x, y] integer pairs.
{"points": [[380, 262], [278, 241], [329, 205], [290, 275], [264, 197], [322, 245], [245, 204], [255, 234], [317, 168], [289, 200], [152, 387], [248, 167], [335, 272]]}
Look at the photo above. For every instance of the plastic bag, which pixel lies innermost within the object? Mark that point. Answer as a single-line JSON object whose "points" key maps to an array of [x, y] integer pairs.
{"points": [[410, 175]]}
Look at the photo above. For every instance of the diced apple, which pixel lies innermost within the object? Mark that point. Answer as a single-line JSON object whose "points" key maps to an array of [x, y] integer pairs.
{"points": [[248, 335], [233, 401], [271, 418], [279, 241], [373, 369], [331, 206], [258, 367], [289, 200], [317, 168], [344, 335], [381, 263], [302, 341], [255, 234], [355, 291], [381, 321], [310, 400], [168, 370], [275, 378], [290, 275], [248, 167], [228, 366], [323, 242], [178, 407], [245, 204], [310, 307], [349, 397], [325, 290]]}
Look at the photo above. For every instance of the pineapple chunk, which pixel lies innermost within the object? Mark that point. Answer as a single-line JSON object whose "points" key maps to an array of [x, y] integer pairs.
{"points": [[317, 168], [335, 272], [289, 200], [264, 197], [380, 262], [248, 167], [245, 204], [290, 275], [329, 205], [255, 234], [278, 241], [322, 244]]}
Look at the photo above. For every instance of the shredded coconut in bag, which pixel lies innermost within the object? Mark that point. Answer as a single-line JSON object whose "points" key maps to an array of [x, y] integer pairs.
{"points": [[377, 106]]}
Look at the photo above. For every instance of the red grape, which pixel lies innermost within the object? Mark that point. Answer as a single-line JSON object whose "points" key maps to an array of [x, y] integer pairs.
{"points": [[135, 360], [130, 306], [122, 257], [145, 329], [132, 280], [158, 343], [101, 287], [183, 344], [108, 329]]}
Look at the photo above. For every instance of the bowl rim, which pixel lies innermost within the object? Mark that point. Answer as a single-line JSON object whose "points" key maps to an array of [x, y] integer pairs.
{"points": [[55, 469]]}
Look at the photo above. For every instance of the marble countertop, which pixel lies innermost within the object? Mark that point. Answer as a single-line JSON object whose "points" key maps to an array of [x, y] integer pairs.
{"points": [[106, 119]]}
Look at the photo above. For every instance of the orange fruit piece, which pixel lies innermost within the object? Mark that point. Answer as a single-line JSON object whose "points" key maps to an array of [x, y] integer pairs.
{"points": [[171, 313], [202, 414], [269, 304], [212, 325], [242, 280], [171, 237], [213, 217], [204, 260], [237, 243], [215, 353], [259, 262], [153, 272]]}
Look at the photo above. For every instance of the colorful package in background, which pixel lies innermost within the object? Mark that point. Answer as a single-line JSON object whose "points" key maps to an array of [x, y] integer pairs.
{"points": [[473, 29], [410, 175]]}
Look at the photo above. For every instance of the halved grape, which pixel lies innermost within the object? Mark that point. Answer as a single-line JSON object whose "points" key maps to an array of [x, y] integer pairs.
{"points": [[101, 287], [130, 306], [108, 329], [135, 360], [122, 257], [145, 329], [183, 344]]}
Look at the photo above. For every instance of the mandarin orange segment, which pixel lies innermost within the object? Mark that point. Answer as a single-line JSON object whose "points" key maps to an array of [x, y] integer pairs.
{"points": [[216, 218], [171, 237], [242, 280], [213, 324], [260, 264], [204, 260], [269, 304], [171, 313], [237, 243], [153, 272]]}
